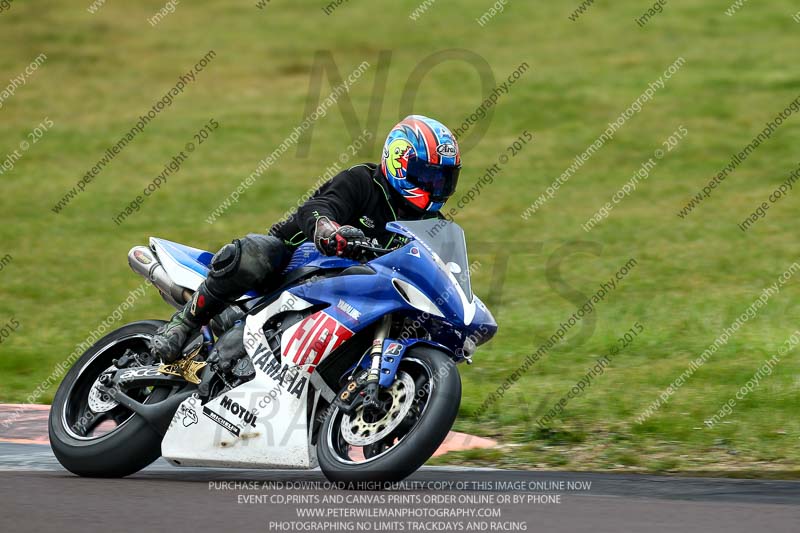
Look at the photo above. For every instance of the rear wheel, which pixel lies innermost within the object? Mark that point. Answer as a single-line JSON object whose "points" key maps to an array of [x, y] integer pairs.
{"points": [[422, 405], [90, 433]]}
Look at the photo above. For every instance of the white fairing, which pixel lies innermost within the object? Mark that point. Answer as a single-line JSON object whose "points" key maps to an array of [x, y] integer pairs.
{"points": [[260, 424], [254, 324], [416, 298]]}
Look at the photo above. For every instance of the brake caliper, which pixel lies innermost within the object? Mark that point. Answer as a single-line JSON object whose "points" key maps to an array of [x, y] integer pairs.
{"points": [[352, 395]]}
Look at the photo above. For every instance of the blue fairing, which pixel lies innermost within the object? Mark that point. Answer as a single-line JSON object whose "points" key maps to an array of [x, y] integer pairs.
{"points": [[358, 301], [307, 255], [368, 297], [426, 280]]}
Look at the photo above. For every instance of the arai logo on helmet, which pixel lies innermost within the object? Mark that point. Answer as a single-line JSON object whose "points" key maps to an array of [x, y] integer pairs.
{"points": [[446, 150]]}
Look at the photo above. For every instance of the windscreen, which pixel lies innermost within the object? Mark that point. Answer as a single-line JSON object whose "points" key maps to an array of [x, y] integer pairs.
{"points": [[447, 240]]}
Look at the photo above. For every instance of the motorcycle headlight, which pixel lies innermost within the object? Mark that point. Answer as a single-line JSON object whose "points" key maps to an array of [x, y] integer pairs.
{"points": [[416, 298]]}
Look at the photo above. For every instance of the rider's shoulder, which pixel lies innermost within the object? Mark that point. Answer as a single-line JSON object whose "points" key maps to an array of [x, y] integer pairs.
{"points": [[359, 176], [363, 170]]}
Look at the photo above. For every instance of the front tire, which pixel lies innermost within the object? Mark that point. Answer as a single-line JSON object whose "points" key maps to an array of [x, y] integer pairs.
{"points": [[436, 398], [132, 444]]}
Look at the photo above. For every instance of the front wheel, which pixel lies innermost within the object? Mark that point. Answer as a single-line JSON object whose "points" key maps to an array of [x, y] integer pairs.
{"points": [[423, 404], [90, 433]]}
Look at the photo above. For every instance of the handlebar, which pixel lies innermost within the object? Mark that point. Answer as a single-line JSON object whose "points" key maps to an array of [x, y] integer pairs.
{"points": [[375, 249]]}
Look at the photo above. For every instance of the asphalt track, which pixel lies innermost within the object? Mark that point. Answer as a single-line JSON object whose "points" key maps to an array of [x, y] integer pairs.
{"points": [[38, 495]]}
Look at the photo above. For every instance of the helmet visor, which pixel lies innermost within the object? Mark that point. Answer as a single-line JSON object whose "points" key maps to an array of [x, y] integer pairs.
{"points": [[438, 180]]}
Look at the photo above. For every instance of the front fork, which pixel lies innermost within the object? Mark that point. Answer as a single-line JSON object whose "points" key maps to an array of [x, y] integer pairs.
{"points": [[377, 371], [374, 376]]}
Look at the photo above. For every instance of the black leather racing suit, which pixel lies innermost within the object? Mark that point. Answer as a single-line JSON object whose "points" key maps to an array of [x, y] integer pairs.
{"points": [[359, 196]]}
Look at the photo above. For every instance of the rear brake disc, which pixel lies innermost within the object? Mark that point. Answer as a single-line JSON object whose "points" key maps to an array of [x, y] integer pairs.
{"points": [[101, 402]]}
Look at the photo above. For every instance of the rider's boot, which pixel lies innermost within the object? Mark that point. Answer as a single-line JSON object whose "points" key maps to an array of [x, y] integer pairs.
{"points": [[169, 340]]}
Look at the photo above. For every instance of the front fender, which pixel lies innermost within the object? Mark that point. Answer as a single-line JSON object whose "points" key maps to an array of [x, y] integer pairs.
{"points": [[393, 352]]}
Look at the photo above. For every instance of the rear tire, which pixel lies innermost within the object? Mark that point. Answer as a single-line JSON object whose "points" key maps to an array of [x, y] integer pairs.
{"points": [[415, 447], [127, 448]]}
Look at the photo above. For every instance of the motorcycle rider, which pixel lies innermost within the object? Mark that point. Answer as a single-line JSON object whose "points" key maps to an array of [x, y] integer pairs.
{"points": [[419, 171]]}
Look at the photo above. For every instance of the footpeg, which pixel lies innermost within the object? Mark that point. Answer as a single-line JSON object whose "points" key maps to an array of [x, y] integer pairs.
{"points": [[187, 368]]}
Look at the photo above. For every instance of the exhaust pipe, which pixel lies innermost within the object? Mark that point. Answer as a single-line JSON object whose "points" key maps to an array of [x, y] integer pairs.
{"points": [[145, 263]]}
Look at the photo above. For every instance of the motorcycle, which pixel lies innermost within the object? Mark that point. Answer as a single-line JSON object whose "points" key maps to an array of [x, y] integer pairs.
{"points": [[349, 365]]}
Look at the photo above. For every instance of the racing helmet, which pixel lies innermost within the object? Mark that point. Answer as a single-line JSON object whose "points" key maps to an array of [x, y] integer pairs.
{"points": [[421, 161]]}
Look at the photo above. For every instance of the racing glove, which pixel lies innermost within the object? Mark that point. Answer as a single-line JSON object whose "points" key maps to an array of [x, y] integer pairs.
{"points": [[333, 239]]}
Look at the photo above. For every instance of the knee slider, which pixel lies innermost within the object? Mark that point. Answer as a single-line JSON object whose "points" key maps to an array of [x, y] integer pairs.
{"points": [[227, 260]]}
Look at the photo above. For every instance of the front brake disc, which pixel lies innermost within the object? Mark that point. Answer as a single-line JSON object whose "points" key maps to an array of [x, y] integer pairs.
{"points": [[358, 432]]}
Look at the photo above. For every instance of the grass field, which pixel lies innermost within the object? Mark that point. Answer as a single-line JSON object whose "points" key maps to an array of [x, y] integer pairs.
{"points": [[63, 274]]}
